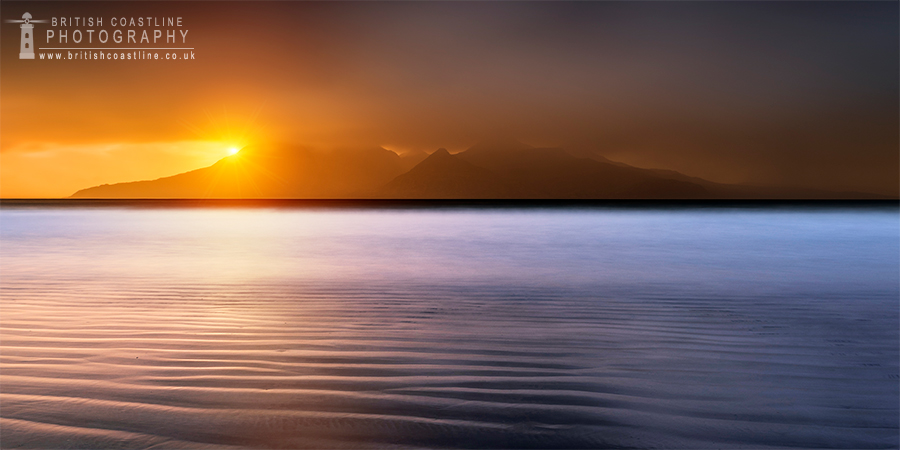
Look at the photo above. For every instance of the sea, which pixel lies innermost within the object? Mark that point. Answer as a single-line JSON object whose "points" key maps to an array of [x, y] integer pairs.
{"points": [[449, 325]]}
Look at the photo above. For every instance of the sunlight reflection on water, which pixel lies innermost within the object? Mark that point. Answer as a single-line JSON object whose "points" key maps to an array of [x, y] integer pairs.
{"points": [[453, 328]]}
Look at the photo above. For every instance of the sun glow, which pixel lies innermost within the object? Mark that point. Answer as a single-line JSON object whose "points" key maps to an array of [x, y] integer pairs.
{"points": [[233, 151], [54, 170]]}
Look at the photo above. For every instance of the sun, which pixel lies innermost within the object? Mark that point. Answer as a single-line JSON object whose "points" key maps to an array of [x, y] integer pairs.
{"points": [[233, 151]]}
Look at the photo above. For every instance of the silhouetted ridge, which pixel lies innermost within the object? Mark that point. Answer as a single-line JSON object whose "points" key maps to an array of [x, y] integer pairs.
{"points": [[494, 169], [443, 175], [509, 169], [271, 172]]}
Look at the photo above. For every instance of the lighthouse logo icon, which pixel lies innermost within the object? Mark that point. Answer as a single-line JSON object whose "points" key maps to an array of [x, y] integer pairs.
{"points": [[26, 47]]}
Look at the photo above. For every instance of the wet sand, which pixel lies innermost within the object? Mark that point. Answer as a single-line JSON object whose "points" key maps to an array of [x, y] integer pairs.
{"points": [[497, 329]]}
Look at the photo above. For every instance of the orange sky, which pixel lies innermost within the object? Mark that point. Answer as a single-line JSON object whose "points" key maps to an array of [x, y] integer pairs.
{"points": [[801, 94]]}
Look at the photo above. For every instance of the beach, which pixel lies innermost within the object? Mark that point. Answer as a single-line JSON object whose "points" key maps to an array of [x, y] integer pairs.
{"points": [[354, 327]]}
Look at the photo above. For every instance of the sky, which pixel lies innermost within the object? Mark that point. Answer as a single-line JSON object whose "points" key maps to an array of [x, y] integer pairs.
{"points": [[789, 93]]}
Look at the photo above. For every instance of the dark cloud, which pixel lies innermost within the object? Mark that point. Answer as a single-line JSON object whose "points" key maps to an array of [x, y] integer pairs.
{"points": [[801, 93]]}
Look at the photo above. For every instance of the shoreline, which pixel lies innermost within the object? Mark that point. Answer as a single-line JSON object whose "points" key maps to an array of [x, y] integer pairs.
{"points": [[450, 203]]}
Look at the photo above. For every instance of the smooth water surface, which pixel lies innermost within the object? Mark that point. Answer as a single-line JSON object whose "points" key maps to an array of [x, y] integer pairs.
{"points": [[463, 328]]}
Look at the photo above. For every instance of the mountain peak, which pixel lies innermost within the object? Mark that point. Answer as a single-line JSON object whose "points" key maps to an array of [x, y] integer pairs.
{"points": [[271, 171], [443, 175]]}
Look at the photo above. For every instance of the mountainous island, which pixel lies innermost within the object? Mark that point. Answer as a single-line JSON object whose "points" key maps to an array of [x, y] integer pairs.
{"points": [[504, 169]]}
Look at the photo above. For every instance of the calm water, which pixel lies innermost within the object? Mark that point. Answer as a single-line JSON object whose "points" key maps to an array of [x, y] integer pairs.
{"points": [[466, 328]]}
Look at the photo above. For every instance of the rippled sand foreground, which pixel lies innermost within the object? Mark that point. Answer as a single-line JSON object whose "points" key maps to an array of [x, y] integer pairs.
{"points": [[160, 360]]}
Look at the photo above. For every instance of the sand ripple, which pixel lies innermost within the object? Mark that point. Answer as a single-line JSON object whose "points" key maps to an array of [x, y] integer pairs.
{"points": [[582, 328], [274, 366]]}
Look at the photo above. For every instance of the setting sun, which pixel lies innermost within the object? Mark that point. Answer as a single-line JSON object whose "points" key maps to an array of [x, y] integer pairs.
{"points": [[232, 151]]}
